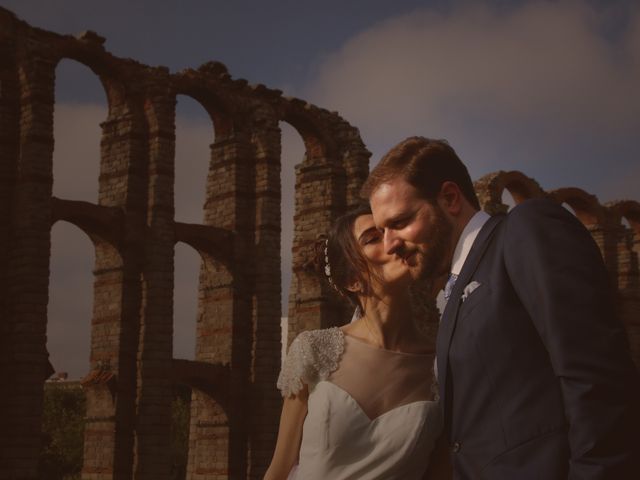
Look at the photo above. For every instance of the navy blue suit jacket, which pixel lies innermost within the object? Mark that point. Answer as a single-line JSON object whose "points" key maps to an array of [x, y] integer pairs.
{"points": [[536, 378]]}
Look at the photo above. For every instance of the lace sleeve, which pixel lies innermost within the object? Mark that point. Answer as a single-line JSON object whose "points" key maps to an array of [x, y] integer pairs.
{"points": [[312, 356]]}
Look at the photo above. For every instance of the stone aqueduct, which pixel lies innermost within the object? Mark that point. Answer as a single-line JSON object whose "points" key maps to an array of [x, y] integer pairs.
{"points": [[235, 406]]}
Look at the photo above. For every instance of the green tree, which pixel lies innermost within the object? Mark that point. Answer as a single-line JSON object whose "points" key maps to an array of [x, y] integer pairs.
{"points": [[63, 432], [63, 416]]}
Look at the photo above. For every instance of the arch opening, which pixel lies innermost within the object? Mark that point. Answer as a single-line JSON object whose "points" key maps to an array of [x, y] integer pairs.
{"points": [[569, 208], [293, 152], [185, 301], [69, 314], [70, 304], [507, 199], [77, 131], [194, 135]]}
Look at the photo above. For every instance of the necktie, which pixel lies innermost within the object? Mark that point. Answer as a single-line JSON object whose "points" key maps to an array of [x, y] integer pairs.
{"points": [[448, 288]]}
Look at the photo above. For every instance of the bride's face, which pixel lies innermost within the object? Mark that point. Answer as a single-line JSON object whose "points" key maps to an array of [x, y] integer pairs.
{"points": [[388, 270]]}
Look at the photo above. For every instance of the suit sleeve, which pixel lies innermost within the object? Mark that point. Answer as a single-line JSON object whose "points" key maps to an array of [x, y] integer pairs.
{"points": [[558, 274]]}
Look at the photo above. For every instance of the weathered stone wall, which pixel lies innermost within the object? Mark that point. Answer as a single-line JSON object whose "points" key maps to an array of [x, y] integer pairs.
{"points": [[235, 406]]}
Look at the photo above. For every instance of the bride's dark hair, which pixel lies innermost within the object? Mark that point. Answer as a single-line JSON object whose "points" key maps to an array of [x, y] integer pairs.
{"points": [[340, 257]]}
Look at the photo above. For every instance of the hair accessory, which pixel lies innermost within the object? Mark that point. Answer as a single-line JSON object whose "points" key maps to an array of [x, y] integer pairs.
{"points": [[327, 267]]}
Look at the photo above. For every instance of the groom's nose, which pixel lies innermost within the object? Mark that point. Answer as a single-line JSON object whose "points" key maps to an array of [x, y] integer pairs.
{"points": [[392, 243]]}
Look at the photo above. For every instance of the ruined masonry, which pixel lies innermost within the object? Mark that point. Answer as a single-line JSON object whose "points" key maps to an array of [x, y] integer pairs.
{"points": [[235, 406]]}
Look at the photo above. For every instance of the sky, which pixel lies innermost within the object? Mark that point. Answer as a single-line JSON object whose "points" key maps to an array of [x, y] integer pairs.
{"points": [[549, 88]]}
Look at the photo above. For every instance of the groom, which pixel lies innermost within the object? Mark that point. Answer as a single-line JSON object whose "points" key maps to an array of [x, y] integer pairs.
{"points": [[535, 375]]}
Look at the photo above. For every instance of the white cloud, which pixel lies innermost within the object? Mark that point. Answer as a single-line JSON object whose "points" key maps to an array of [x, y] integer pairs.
{"points": [[537, 87]]}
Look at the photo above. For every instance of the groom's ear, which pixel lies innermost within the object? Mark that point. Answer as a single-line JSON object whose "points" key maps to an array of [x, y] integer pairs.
{"points": [[450, 198]]}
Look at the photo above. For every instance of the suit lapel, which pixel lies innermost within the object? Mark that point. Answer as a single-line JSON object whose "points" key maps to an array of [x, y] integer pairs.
{"points": [[450, 314]]}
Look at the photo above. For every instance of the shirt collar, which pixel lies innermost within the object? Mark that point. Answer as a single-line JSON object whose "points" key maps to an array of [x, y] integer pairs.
{"points": [[465, 242]]}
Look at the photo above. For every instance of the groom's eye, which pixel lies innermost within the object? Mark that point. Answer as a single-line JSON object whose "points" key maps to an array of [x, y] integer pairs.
{"points": [[400, 223]]}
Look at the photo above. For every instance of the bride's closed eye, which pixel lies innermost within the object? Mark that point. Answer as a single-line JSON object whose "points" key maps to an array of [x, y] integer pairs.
{"points": [[371, 237]]}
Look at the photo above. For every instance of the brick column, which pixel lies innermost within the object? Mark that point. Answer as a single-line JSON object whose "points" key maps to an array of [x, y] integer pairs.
{"points": [[9, 148], [320, 198], [632, 314], [111, 385], [608, 237], [264, 399], [218, 437], [355, 158], [629, 287], [27, 263], [155, 351]]}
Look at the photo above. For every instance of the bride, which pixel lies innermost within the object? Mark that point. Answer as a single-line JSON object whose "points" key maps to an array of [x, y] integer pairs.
{"points": [[357, 399]]}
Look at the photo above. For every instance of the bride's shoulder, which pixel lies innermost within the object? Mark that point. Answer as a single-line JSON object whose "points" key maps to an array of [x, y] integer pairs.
{"points": [[321, 338], [312, 357], [320, 348]]}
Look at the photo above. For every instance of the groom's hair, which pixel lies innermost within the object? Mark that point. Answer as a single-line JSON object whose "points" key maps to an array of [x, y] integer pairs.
{"points": [[425, 164]]}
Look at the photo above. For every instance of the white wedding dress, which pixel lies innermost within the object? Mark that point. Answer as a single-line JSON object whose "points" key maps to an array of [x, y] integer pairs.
{"points": [[369, 414]]}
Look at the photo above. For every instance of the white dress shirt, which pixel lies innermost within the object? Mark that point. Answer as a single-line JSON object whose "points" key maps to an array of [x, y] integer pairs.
{"points": [[460, 254], [465, 242]]}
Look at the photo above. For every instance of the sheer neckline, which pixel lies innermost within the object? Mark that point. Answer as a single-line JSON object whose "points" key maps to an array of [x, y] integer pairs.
{"points": [[377, 418], [380, 349]]}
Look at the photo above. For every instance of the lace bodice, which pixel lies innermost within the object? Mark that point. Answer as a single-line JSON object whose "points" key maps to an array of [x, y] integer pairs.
{"points": [[369, 410], [312, 357]]}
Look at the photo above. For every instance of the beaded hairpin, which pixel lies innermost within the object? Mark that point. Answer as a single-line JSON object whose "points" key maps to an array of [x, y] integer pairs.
{"points": [[327, 267]]}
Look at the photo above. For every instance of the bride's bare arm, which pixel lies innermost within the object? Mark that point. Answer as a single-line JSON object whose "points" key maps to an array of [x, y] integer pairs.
{"points": [[294, 411]]}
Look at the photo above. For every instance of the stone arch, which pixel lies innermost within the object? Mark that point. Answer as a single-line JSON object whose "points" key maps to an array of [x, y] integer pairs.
{"points": [[195, 145], [88, 49], [201, 85], [129, 171], [107, 390], [320, 196], [316, 146], [490, 188], [212, 379], [292, 152], [69, 300], [100, 224], [112, 89], [210, 242], [77, 132], [593, 216], [628, 250], [211, 410], [628, 209], [585, 205], [219, 316], [628, 268]]}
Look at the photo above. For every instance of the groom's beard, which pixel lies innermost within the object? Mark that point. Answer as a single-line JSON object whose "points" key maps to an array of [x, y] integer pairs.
{"points": [[434, 252]]}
